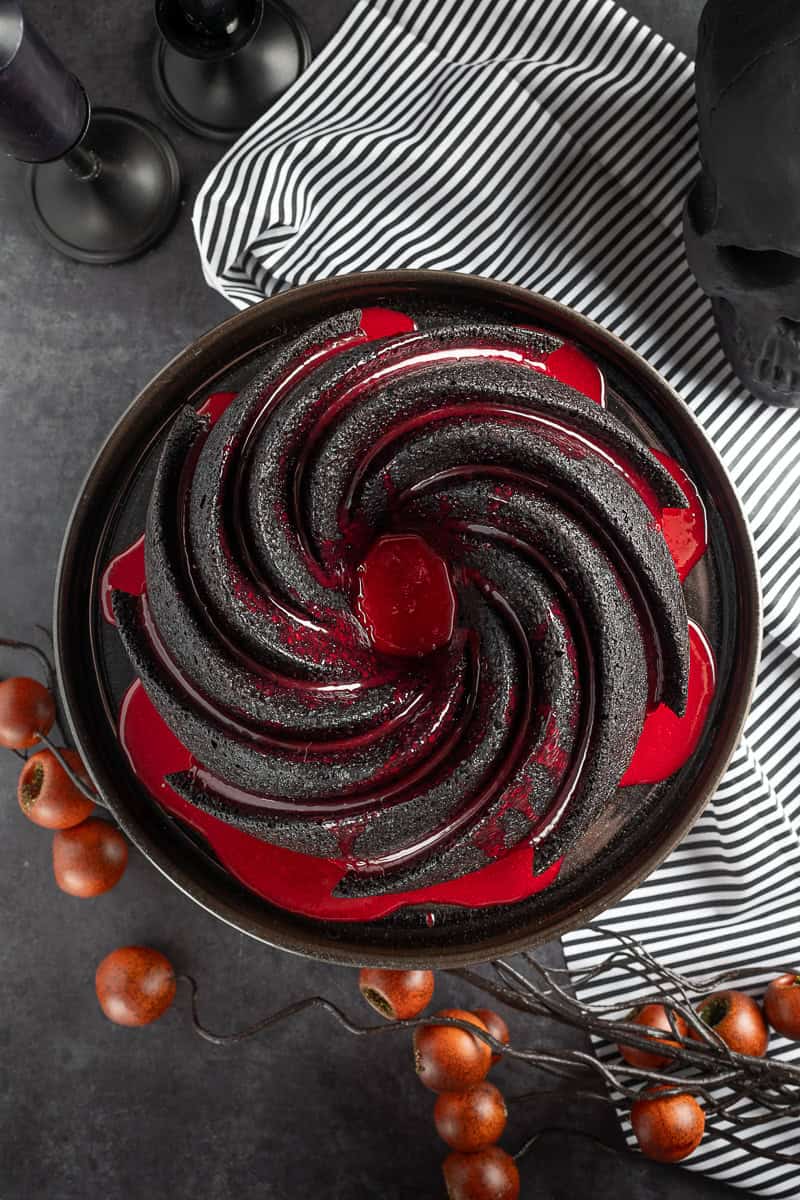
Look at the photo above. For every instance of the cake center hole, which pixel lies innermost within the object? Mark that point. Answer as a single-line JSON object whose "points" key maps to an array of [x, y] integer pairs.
{"points": [[405, 597]]}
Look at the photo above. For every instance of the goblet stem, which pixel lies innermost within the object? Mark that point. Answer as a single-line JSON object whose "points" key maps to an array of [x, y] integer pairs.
{"points": [[84, 164]]}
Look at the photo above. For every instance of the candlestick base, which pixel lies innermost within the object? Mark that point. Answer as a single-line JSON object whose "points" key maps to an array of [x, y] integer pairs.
{"points": [[122, 210], [220, 98]]}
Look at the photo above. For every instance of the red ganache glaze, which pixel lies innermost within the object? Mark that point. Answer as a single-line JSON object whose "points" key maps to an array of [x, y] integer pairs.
{"points": [[685, 530], [571, 366], [400, 578], [125, 573], [384, 322], [299, 882], [667, 741], [216, 404], [405, 598]]}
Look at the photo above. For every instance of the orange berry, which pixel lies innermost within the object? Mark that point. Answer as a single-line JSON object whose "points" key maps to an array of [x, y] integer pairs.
{"points": [[738, 1020], [473, 1119], [497, 1028], [654, 1016], [489, 1174], [26, 710], [135, 985], [47, 795], [448, 1059], [667, 1128], [782, 1005], [396, 995], [90, 858]]}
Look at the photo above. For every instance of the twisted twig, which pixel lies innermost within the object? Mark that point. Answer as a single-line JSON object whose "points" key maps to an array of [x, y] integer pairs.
{"points": [[739, 1092], [354, 1027], [755, 1091], [44, 661], [563, 1129]]}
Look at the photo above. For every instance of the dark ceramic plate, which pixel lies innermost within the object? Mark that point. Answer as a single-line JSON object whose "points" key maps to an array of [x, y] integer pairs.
{"points": [[636, 831]]}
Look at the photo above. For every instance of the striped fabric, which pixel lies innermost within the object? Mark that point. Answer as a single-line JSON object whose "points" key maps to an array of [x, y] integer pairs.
{"points": [[551, 144]]}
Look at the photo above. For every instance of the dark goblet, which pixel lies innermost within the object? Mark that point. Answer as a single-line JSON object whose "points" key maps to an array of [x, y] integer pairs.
{"points": [[103, 185], [220, 64]]}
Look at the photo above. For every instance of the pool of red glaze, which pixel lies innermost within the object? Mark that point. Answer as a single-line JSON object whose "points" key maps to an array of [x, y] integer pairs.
{"points": [[405, 597]]}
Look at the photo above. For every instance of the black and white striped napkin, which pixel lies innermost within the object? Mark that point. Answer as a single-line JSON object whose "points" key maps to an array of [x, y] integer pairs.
{"points": [[551, 145]]}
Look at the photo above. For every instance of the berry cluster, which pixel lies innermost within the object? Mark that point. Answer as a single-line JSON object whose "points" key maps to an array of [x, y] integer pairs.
{"points": [[54, 791], [470, 1113], [670, 1127]]}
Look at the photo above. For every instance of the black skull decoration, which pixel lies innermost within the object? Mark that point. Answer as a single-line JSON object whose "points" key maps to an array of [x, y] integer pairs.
{"points": [[742, 218]]}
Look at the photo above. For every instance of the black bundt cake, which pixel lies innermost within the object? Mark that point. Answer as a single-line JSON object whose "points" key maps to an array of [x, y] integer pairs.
{"points": [[253, 637]]}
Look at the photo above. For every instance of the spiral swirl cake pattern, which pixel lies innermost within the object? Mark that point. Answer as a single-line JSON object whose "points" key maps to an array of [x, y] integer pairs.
{"points": [[450, 443]]}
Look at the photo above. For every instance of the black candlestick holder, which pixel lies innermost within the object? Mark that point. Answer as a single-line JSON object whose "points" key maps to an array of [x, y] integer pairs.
{"points": [[103, 186], [220, 64]]}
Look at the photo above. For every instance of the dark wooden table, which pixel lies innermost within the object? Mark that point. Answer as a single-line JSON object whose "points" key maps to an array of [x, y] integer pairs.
{"points": [[90, 1110]]}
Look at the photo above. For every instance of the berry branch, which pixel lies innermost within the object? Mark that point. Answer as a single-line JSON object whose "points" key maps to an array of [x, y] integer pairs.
{"points": [[44, 661], [84, 788], [40, 731], [721, 1039], [773, 1085], [347, 1023], [89, 854], [566, 1131]]}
